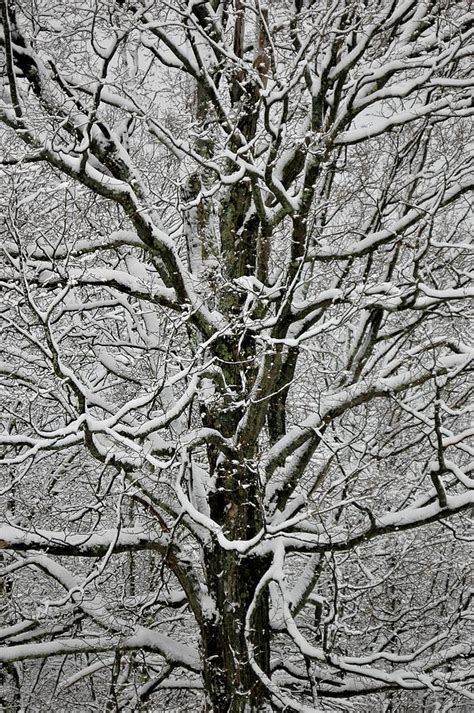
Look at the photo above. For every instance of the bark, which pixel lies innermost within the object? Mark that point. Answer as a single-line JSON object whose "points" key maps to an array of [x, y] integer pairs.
{"points": [[230, 682]]}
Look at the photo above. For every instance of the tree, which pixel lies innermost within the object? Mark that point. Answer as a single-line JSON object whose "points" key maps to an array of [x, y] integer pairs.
{"points": [[236, 360]]}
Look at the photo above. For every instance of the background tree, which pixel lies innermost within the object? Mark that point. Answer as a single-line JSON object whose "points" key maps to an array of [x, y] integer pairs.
{"points": [[235, 373]]}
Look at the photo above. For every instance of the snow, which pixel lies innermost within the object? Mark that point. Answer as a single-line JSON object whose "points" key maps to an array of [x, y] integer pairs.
{"points": [[415, 516], [89, 544], [379, 126], [143, 640], [87, 671], [208, 608], [10, 631], [159, 334]]}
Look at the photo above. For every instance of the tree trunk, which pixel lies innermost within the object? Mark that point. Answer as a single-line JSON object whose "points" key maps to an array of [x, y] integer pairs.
{"points": [[231, 683]]}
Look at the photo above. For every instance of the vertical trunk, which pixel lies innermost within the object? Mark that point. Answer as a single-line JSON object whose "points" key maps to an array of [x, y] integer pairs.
{"points": [[230, 682]]}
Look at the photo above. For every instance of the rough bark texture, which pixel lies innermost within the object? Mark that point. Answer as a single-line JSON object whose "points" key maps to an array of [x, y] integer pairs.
{"points": [[230, 682]]}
